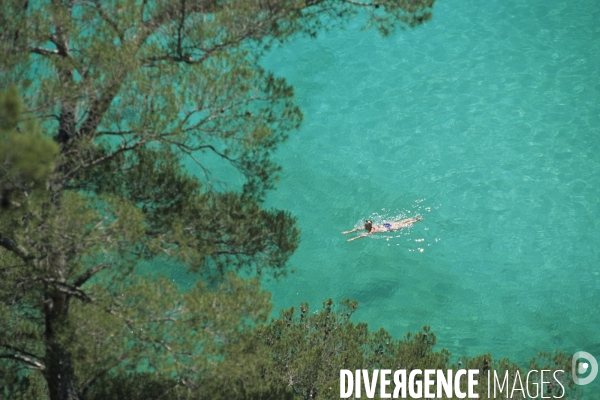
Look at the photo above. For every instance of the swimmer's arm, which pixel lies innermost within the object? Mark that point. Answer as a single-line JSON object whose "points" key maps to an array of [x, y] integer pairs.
{"points": [[353, 230], [359, 236]]}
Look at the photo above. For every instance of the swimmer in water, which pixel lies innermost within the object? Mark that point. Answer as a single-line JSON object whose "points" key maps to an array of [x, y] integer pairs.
{"points": [[386, 227]]}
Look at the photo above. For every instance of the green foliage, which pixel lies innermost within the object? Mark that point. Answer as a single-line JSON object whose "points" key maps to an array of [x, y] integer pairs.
{"points": [[308, 350], [177, 337], [557, 360], [20, 386], [30, 155], [11, 109], [26, 156]]}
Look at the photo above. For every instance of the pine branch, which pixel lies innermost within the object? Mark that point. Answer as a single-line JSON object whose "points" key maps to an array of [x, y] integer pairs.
{"points": [[43, 51], [32, 363], [13, 348], [83, 278], [15, 248]]}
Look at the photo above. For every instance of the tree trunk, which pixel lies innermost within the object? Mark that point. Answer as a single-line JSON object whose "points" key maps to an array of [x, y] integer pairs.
{"points": [[59, 368]]}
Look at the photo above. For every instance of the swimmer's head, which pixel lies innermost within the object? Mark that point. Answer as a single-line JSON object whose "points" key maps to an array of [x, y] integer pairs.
{"points": [[368, 225]]}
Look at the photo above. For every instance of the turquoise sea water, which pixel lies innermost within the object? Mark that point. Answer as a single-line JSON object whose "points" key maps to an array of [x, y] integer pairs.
{"points": [[486, 122]]}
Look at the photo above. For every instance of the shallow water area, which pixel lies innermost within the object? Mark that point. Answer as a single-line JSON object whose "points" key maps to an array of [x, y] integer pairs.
{"points": [[485, 122]]}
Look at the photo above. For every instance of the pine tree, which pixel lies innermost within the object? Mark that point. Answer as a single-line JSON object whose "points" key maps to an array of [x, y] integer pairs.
{"points": [[309, 348]]}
